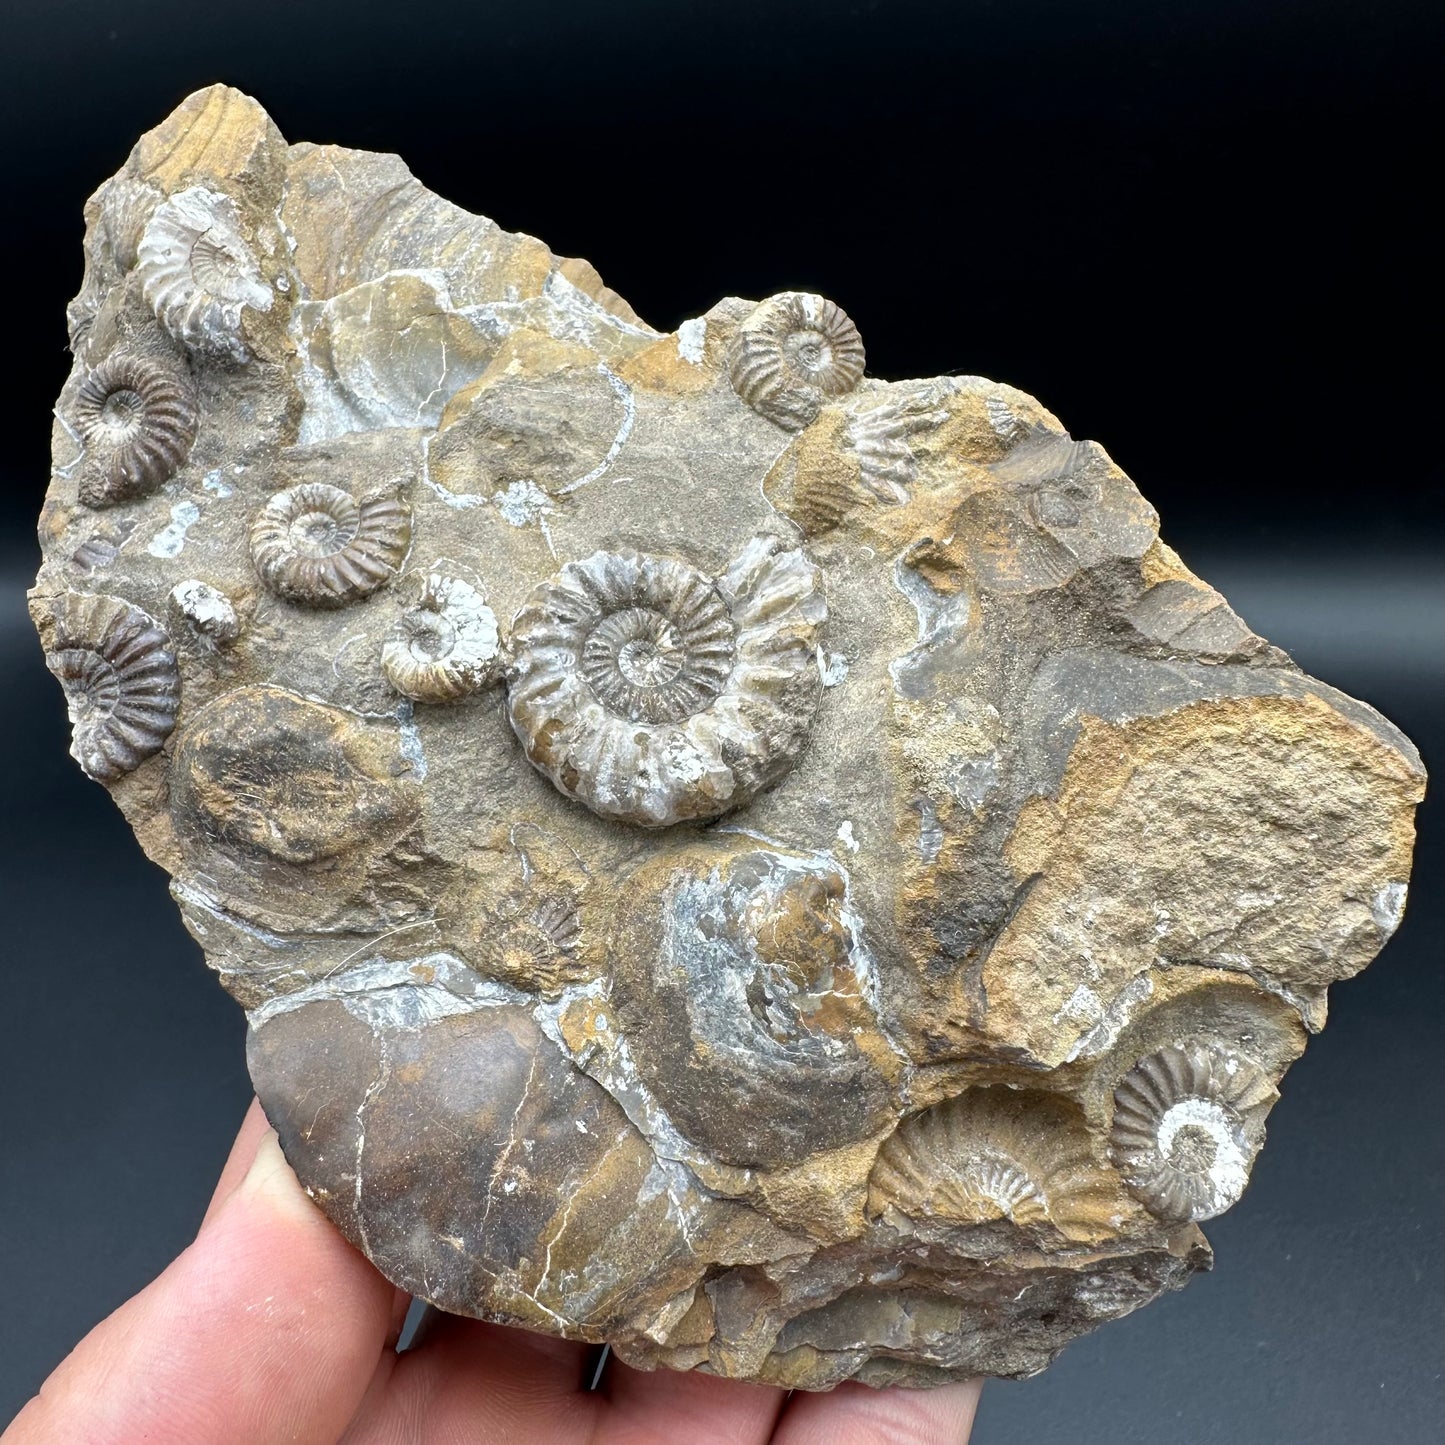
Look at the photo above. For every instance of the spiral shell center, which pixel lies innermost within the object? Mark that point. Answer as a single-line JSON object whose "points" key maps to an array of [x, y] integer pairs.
{"points": [[999, 1182], [223, 268], [808, 352], [319, 533], [92, 685], [521, 949], [120, 415], [430, 636], [1196, 1136], [651, 667]]}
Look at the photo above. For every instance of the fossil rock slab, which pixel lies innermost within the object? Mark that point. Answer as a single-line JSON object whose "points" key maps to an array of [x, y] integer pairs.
{"points": [[781, 871]]}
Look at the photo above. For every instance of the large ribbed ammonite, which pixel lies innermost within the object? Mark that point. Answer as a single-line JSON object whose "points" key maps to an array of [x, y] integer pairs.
{"points": [[653, 693]]}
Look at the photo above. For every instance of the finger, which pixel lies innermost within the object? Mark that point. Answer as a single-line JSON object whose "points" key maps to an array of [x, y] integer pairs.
{"points": [[645, 1406], [267, 1329], [243, 1151], [254, 1128], [480, 1384], [859, 1415]]}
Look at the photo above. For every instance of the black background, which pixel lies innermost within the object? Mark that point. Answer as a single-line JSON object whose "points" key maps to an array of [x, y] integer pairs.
{"points": [[1196, 231]]}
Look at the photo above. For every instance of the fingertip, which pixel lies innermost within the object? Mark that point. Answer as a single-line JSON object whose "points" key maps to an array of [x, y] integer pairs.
{"points": [[526, 1386], [271, 1184], [243, 1150], [642, 1404], [855, 1414]]}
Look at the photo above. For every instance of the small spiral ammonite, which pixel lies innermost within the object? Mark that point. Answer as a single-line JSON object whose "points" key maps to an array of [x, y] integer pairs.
{"points": [[122, 686], [444, 647], [316, 544], [198, 274], [137, 419], [1188, 1122], [792, 354]]}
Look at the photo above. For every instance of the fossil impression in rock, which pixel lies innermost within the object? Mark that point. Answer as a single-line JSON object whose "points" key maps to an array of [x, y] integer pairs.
{"points": [[778, 870]]}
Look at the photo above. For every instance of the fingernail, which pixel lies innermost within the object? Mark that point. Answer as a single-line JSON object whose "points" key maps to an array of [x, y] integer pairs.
{"points": [[271, 1181]]}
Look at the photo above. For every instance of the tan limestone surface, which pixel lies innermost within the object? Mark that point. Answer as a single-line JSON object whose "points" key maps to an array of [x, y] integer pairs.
{"points": [[780, 871]]}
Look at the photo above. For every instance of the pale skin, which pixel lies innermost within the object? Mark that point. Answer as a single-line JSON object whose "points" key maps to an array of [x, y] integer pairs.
{"points": [[270, 1328]]}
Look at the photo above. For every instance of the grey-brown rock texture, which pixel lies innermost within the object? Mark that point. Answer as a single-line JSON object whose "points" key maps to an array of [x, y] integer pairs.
{"points": [[781, 871]]}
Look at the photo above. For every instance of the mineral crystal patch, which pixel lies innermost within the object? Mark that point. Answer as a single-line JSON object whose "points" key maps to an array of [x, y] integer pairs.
{"points": [[779, 871]]}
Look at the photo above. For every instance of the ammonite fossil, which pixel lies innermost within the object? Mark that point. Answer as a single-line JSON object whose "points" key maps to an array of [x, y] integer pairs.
{"points": [[741, 971], [531, 941], [995, 1153], [445, 646], [1188, 1122], [316, 544], [880, 433], [197, 272], [126, 207], [792, 354], [120, 679], [137, 418], [653, 693], [95, 554]]}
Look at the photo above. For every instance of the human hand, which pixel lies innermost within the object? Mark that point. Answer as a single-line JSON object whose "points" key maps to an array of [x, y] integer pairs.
{"points": [[271, 1328]]}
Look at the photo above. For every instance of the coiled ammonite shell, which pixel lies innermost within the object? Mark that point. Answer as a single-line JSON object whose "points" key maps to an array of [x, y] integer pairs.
{"points": [[793, 353], [653, 693], [444, 647], [121, 684], [996, 1153], [532, 942], [318, 545], [197, 272], [1188, 1122], [137, 418]]}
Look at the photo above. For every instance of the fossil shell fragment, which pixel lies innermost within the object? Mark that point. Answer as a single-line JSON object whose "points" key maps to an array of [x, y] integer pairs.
{"points": [[120, 679], [1188, 1122], [793, 353], [654, 693], [207, 611], [995, 1153], [741, 972], [94, 554], [126, 207], [316, 544], [880, 432], [444, 647], [197, 272], [137, 418], [81, 313]]}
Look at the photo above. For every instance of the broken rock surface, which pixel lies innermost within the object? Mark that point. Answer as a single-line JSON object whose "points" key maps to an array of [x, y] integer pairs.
{"points": [[780, 871]]}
